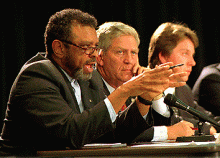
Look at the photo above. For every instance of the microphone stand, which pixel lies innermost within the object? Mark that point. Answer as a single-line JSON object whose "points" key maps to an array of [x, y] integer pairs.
{"points": [[200, 127], [201, 137]]}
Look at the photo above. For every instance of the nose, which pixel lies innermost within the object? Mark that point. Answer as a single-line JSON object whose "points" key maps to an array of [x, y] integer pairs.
{"points": [[128, 58], [94, 54], [192, 62]]}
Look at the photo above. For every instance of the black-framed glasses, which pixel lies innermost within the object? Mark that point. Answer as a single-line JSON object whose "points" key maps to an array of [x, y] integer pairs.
{"points": [[87, 51]]}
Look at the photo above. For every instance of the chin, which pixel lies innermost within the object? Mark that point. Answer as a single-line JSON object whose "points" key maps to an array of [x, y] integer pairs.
{"points": [[80, 75], [185, 79], [127, 78]]}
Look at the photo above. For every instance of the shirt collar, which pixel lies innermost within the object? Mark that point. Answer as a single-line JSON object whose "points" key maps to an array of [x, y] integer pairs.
{"points": [[68, 76], [110, 88]]}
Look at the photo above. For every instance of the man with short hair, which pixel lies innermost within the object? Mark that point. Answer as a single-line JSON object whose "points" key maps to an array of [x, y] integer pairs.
{"points": [[172, 42], [116, 61]]}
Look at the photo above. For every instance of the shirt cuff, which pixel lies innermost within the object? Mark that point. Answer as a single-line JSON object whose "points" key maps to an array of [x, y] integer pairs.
{"points": [[160, 107], [160, 133], [111, 110]]}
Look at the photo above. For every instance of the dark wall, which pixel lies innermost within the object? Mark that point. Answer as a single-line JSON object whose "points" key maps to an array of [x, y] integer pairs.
{"points": [[23, 26]]}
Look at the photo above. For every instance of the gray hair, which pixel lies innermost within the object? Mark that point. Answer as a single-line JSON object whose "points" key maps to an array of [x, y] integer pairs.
{"points": [[110, 30]]}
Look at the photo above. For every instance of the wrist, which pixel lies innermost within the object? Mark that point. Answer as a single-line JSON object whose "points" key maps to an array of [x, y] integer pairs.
{"points": [[144, 101], [171, 134], [158, 97]]}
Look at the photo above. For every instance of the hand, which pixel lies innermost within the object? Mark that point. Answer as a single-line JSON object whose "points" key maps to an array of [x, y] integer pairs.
{"points": [[180, 129], [153, 82], [177, 79], [213, 130], [150, 82], [137, 69]]}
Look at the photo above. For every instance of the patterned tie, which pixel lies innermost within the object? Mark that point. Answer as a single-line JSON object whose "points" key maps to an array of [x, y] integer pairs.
{"points": [[123, 107]]}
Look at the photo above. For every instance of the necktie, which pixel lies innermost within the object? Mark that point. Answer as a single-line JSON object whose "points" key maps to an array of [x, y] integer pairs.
{"points": [[123, 107]]}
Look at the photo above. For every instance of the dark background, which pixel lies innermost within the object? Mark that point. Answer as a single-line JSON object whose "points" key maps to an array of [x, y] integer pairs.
{"points": [[23, 25]]}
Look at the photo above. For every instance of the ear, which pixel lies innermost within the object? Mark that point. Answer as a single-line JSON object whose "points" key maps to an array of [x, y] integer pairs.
{"points": [[58, 47], [162, 58], [100, 58]]}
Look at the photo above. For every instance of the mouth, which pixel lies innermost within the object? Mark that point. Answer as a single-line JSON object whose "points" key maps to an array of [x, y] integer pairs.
{"points": [[89, 67], [188, 71], [127, 70]]}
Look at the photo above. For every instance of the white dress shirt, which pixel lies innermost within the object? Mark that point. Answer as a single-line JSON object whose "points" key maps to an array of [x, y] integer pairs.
{"points": [[77, 90], [160, 132]]}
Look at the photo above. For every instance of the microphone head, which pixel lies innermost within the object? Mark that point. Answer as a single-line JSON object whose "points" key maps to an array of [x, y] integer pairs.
{"points": [[170, 99]]}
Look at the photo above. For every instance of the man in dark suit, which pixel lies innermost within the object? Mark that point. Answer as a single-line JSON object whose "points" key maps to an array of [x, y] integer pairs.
{"points": [[50, 109], [207, 88], [116, 62], [176, 43]]}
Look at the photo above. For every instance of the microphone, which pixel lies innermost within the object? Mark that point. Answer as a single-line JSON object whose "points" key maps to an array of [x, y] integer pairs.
{"points": [[171, 100]]}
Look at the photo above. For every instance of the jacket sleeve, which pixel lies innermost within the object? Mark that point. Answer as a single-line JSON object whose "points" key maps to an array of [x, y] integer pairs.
{"points": [[130, 124], [132, 127]]}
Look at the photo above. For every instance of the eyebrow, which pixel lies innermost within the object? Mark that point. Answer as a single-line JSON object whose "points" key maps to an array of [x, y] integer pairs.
{"points": [[137, 50], [88, 43], [185, 49]]}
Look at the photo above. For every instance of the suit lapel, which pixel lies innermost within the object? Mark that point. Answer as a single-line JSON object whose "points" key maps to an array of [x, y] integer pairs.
{"points": [[105, 89], [86, 95], [92, 91], [67, 92], [70, 98]]}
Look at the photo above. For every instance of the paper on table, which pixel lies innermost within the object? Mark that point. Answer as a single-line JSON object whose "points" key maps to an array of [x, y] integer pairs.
{"points": [[158, 144], [217, 136], [104, 145]]}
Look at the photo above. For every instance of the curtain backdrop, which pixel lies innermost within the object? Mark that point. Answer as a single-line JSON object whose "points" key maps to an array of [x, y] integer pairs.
{"points": [[23, 26]]}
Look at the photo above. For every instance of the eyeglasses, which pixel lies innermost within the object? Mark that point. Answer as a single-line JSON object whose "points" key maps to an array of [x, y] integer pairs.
{"points": [[87, 51]]}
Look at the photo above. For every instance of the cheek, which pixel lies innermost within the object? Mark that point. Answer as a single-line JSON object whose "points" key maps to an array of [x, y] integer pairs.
{"points": [[80, 62], [182, 69], [112, 63], [174, 59], [178, 60], [175, 56]]}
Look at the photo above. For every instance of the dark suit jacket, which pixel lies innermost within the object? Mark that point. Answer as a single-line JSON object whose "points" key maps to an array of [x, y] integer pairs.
{"points": [[131, 126], [207, 88], [43, 113]]}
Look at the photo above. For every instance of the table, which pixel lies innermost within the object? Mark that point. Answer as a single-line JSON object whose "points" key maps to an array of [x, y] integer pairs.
{"points": [[192, 150]]}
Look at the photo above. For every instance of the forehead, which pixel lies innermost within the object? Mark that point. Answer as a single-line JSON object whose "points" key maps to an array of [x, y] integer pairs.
{"points": [[84, 34], [185, 45], [125, 42]]}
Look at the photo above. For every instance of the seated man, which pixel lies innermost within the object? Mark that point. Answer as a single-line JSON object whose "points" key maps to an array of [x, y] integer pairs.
{"points": [[176, 43], [50, 109], [117, 63]]}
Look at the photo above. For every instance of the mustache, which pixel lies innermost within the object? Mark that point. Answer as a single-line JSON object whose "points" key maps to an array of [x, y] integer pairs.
{"points": [[90, 61]]}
